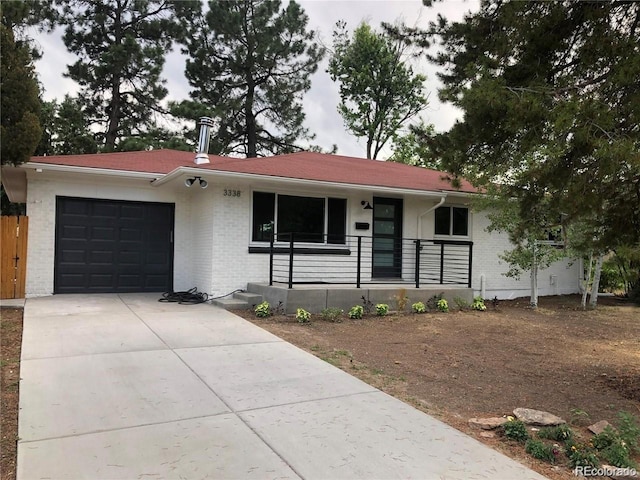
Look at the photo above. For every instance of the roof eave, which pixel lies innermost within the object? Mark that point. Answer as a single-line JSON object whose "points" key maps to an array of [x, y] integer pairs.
{"points": [[180, 171], [91, 170]]}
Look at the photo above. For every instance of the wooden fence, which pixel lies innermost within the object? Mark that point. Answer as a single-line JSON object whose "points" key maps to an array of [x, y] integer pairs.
{"points": [[13, 256]]}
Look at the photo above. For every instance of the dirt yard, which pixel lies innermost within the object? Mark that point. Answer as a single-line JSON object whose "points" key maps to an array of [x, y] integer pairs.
{"points": [[582, 366], [10, 343]]}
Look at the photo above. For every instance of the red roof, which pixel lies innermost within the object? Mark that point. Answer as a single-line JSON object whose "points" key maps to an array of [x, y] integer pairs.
{"points": [[302, 165]]}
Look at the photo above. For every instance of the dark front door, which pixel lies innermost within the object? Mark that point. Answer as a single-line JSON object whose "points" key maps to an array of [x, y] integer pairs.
{"points": [[387, 237], [109, 246]]}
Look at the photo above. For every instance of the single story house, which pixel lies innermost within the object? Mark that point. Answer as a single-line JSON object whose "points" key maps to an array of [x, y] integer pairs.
{"points": [[159, 220]]}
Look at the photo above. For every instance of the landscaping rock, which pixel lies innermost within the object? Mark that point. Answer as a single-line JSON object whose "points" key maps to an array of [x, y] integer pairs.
{"points": [[487, 423], [487, 435], [537, 417], [599, 427]]}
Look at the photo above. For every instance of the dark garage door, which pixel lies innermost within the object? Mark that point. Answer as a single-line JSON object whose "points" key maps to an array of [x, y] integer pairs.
{"points": [[108, 246]]}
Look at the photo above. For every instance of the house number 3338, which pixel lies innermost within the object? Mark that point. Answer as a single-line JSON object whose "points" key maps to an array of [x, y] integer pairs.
{"points": [[231, 193]]}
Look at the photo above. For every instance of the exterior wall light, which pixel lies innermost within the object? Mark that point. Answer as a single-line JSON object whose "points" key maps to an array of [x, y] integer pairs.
{"points": [[366, 205], [190, 181]]}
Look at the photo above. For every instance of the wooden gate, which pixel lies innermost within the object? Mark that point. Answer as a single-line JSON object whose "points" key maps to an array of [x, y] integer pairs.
{"points": [[13, 256]]}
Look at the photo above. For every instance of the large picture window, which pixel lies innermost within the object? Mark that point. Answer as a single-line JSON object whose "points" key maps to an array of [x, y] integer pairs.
{"points": [[452, 221], [310, 219]]}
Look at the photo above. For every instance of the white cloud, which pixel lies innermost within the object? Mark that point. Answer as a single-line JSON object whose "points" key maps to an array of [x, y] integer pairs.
{"points": [[321, 101]]}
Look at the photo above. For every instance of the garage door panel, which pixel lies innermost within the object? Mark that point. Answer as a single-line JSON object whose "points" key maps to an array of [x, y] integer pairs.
{"points": [[113, 246]]}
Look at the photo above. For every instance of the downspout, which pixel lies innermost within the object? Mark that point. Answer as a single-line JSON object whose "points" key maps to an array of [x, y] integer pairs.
{"points": [[439, 204]]}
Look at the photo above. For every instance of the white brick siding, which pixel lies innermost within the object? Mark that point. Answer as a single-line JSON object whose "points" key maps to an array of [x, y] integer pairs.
{"points": [[213, 233]]}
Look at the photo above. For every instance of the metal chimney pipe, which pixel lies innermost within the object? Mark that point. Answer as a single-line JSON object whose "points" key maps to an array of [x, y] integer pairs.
{"points": [[203, 141]]}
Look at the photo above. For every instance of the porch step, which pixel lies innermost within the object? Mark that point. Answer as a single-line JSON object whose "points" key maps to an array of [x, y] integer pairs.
{"points": [[240, 301], [251, 298], [231, 304]]}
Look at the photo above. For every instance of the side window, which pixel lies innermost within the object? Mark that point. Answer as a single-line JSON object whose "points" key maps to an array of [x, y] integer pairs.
{"points": [[452, 221], [263, 209], [337, 220]]}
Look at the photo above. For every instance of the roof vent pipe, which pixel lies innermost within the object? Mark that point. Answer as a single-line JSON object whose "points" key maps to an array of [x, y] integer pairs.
{"points": [[203, 141]]}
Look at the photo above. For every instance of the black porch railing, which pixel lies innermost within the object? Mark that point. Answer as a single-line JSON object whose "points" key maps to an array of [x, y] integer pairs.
{"points": [[357, 260]]}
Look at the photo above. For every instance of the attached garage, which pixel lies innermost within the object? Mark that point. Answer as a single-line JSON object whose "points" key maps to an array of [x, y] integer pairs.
{"points": [[112, 246]]}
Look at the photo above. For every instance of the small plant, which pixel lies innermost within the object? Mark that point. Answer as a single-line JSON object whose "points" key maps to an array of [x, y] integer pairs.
{"points": [[541, 451], [478, 304], [581, 455], [432, 303], [356, 312], [382, 309], [263, 310], [302, 316], [629, 430], [367, 305], [331, 314], [278, 309], [579, 417], [418, 307], [461, 303], [443, 305], [560, 433], [515, 430], [401, 300], [613, 448]]}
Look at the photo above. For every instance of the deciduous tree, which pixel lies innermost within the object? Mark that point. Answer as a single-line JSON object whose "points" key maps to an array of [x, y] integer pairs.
{"points": [[379, 91]]}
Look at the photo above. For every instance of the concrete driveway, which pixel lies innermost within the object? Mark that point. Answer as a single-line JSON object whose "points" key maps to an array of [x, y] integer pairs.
{"points": [[125, 387]]}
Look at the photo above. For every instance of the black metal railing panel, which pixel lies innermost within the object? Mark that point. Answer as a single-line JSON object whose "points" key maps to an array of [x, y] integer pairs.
{"points": [[367, 260]]}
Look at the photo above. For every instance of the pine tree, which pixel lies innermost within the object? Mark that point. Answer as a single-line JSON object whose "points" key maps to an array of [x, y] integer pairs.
{"points": [[551, 103], [249, 64], [121, 47], [20, 129], [379, 91]]}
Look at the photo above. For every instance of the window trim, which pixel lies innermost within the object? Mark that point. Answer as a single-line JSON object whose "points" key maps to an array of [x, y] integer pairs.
{"points": [[450, 235], [255, 246]]}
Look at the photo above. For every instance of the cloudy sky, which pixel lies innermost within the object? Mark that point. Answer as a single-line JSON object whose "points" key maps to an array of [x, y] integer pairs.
{"points": [[322, 100]]}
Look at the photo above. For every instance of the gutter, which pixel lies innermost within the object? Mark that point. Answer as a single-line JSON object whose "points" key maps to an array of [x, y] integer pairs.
{"points": [[43, 167], [439, 204], [181, 171]]}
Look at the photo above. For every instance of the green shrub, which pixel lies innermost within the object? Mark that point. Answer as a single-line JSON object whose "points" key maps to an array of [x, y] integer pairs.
{"points": [[418, 307], [613, 449], [302, 316], [432, 303], [443, 305], [560, 433], [263, 310], [332, 314], [461, 303], [515, 430], [581, 455], [629, 430], [356, 312], [382, 309], [540, 450], [478, 304]]}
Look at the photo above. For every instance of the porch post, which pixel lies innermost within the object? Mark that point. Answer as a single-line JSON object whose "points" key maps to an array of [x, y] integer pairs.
{"points": [[441, 263], [291, 261], [271, 260], [418, 263], [359, 262], [470, 261]]}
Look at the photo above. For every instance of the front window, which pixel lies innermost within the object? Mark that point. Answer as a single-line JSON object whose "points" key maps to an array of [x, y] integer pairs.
{"points": [[452, 221], [311, 219]]}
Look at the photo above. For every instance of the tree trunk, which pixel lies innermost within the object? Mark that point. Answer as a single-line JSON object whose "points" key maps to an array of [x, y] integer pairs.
{"points": [[585, 283], [596, 282], [534, 279], [251, 121]]}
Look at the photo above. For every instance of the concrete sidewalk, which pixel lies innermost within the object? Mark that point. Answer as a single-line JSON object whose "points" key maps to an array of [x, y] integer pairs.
{"points": [[125, 387]]}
